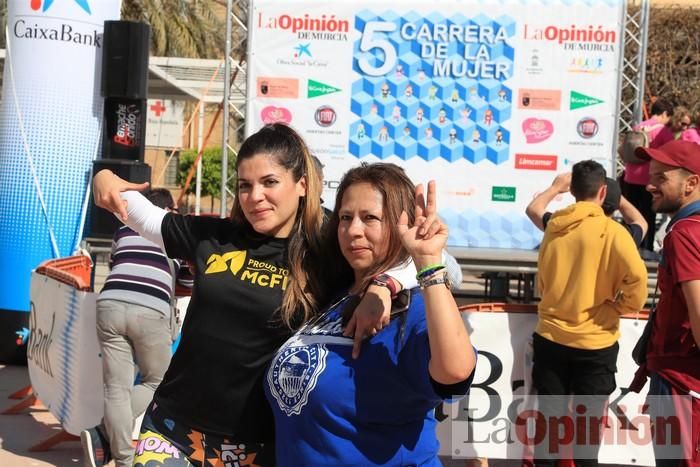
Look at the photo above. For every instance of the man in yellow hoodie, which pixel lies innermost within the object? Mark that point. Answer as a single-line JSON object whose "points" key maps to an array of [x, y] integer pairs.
{"points": [[589, 274]]}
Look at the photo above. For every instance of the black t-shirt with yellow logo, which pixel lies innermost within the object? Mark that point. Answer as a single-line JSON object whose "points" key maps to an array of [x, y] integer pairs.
{"points": [[231, 330]]}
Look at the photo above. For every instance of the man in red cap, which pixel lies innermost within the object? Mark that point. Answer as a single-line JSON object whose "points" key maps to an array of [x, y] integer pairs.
{"points": [[673, 357]]}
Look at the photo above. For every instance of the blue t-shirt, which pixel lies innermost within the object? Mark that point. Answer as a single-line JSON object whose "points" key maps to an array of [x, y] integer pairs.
{"points": [[376, 410]]}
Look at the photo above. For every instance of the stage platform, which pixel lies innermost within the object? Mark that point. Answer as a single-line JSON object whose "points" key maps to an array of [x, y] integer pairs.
{"points": [[509, 273]]}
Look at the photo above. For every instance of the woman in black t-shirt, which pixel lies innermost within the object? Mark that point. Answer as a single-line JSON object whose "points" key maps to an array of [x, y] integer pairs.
{"points": [[251, 287]]}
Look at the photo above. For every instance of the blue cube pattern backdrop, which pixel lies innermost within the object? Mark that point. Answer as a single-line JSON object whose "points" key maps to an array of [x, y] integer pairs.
{"points": [[410, 112]]}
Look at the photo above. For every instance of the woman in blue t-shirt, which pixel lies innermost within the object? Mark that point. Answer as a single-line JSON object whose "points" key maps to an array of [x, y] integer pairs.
{"points": [[332, 409]]}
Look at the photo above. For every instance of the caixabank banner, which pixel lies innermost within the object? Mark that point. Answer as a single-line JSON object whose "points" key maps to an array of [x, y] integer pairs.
{"points": [[50, 118], [491, 99]]}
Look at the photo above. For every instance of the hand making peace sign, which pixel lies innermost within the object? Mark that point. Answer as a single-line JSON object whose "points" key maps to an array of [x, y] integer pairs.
{"points": [[426, 239]]}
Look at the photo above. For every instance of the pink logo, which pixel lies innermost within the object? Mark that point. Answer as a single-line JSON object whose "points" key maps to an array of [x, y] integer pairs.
{"points": [[272, 114], [537, 130]]}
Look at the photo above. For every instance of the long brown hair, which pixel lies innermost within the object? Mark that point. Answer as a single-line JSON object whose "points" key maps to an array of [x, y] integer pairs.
{"points": [[398, 195], [289, 150]]}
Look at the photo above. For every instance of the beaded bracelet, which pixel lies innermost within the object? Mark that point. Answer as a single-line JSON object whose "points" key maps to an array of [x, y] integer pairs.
{"points": [[428, 270], [435, 279]]}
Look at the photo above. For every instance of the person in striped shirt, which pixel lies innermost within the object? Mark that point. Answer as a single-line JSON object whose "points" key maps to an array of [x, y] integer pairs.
{"points": [[134, 326]]}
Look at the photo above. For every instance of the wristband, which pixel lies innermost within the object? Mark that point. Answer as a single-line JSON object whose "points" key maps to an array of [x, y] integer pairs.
{"points": [[428, 270], [384, 280], [435, 279]]}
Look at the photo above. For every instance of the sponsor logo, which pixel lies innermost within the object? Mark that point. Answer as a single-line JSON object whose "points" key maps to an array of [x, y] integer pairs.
{"points": [[260, 273], [471, 191], [317, 88], [325, 116], [272, 114], [587, 127], [40, 341], [534, 63], [303, 57], [535, 162], [284, 88], [293, 375], [503, 193], [331, 149], [44, 5], [22, 336], [573, 160], [301, 50], [128, 119], [586, 64], [537, 130], [331, 184], [307, 27], [581, 38], [539, 99], [578, 101], [63, 32]]}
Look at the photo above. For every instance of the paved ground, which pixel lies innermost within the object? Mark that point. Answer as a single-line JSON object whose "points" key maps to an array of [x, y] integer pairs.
{"points": [[19, 432]]}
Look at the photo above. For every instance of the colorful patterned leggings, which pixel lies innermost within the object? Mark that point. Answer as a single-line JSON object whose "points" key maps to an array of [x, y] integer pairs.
{"points": [[172, 444]]}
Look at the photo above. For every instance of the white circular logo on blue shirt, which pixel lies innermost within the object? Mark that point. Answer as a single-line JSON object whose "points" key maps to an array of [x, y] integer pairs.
{"points": [[293, 375]]}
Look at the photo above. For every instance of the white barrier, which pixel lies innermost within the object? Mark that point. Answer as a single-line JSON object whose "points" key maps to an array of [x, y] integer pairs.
{"points": [[63, 355], [502, 384]]}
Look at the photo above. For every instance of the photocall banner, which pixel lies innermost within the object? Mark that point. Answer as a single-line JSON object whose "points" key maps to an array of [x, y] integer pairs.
{"points": [[491, 99], [49, 132]]}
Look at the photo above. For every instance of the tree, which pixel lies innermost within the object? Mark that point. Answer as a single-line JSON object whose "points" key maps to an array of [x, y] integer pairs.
{"points": [[673, 55], [180, 28], [3, 22], [211, 171]]}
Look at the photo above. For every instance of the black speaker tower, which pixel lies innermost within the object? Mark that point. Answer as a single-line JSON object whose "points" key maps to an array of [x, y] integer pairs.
{"points": [[125, 90]]}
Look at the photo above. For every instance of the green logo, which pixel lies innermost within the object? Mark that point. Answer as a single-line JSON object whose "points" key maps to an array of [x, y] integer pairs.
{"points": [[579, 100], [316, 88], [503, 193]]}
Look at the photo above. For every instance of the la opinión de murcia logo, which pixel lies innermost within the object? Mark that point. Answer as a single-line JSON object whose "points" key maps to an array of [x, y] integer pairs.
{"points": [[583, 38], [324, 27]]}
